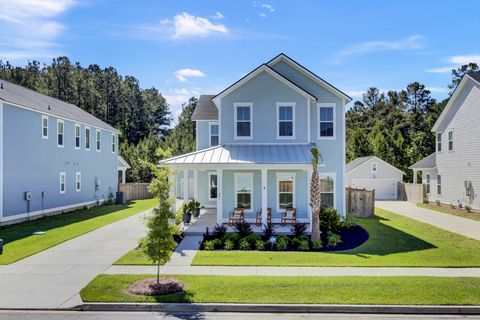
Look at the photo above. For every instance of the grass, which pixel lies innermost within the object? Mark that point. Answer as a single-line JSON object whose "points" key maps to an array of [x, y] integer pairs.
{"points": [[328, 290], [394, 240], [475, 215], [134, 257], [20, 243]]}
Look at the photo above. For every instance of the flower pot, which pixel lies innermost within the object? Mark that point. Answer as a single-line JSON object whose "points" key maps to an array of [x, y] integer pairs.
{"points": [[196, 213], [187, 217]]}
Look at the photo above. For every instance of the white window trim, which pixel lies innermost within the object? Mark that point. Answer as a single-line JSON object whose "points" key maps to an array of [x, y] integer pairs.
{"points": [[114, 143], [89, 137], [438, 142], [286, 104], [79, 137], [63, 133], [210, 124], [78, 178], [324, 105], [242, 104], [208, 186], [332, 175], [281, 174], [439, 184], [45, 117], [252, 195], [97, 140], [428, 183], [64, 175], [450, 140], [374, 164]]}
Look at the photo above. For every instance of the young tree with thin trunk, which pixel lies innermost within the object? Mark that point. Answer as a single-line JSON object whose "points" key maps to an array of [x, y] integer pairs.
{"points": [[315, 194]]}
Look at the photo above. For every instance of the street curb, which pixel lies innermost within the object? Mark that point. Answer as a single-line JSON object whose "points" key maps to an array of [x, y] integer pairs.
{"points": [[280, 308]]}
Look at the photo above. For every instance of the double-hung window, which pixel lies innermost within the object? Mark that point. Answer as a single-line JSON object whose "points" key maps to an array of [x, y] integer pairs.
{"points": [[98, 135], [114, 143], [212, 186], [327, 189], [77, 136], [427, 178], [285, 120], [243, 120], [63, 185], [285, 191], [244, 191], [44, 127], [450, 140], [87, 138], [60, 131], [439, 141], [439, 184], [326, 120], [78, 181], [213, 134]]}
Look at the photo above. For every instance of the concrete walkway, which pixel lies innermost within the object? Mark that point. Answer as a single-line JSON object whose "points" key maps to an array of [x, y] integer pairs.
{"points": [[466, 227], [185, 252], [53, 278], [297, 271]]}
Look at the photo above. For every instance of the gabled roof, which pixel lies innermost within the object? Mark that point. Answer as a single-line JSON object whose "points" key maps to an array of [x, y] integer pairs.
{"points": [[122, 163], [254, 73], [205, 109], [237, 154], [310, 74], [471, 76], [361, 160], [30, 99], [428, 162]]}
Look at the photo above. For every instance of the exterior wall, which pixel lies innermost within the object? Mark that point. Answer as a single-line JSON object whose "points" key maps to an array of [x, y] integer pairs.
{"points": [[364, 171], [203, 190], [432, 195], [31, 163], [264, 91], [202, 135], [463, 163]]}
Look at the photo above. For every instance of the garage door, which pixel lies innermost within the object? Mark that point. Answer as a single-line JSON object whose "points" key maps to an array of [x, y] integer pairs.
{"points": [[385, 189]]}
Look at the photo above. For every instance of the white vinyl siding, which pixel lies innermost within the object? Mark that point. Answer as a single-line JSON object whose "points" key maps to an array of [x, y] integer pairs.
{"points": [[77, 136], [87, 138], [98, 140], [285, 120], [326, 120], [63, 182], [374, 167], [60, 133], [78, 181], [243, 120], [285, 191], [44, 127]]}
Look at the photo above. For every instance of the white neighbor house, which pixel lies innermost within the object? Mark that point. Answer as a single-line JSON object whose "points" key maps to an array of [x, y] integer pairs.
{"points": [[372, 172], [452, 172]]}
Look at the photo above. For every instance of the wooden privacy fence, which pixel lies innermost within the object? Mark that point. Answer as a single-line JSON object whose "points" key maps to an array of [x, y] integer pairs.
{"points": [[360, 202], [135, 191], [412, 192]]}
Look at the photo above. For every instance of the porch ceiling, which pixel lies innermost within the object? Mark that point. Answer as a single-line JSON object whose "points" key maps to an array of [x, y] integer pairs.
{"points": [[246, 154]]}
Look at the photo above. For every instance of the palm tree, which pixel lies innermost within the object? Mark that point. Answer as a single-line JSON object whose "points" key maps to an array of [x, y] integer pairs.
{"points": [[315, 194]]}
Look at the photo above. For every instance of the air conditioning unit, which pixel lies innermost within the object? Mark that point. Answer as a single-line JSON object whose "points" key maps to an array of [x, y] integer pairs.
{"points": [[97, 184]]}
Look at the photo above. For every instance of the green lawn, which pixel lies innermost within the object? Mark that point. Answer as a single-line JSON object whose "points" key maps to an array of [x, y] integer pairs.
{"points": [[134, 257], [20, 243], [334, 290], [456, 212], [394, 241]]}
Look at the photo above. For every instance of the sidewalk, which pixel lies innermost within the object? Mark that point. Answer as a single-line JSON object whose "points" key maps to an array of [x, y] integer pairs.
{"points": [[53, 278], [466, 227]]}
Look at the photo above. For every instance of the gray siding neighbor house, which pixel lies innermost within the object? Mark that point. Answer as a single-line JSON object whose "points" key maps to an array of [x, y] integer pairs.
{"points": [[452, 172], [54, 156]]}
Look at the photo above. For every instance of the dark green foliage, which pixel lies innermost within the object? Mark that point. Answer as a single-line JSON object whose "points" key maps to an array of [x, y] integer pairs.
{"points": [[219, 231], [299, 229], [282, 242], [243, 228], [303, 245], [333, 239], [268, 230], [316, 244], [228, 244], [348, 223], [182, 138], [243, 244], [329, 220], [259, 245], [296, 242]]}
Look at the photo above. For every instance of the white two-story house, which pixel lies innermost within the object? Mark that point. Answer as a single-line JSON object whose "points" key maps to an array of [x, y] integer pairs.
{"points": [[253, 144], [452, 173]]}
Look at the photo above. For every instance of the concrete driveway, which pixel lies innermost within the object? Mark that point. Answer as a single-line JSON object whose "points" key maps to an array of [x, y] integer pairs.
{"points": [[53, 278], [466, 227]]}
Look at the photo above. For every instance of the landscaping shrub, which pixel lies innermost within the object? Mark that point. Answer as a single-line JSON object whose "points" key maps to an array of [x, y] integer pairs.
{"points": [[299, 229], [243, 228], [219, 231], [316, 244], [333, 239], [468, 208], [268, 230], [217, 243], [253, 238], [425, 200], [452, 206], [234, 237], [438, 203], [282, 242], [348, 223], [259, 245], [209, 245], [297, 240], [329, 220], [303, 245], [243, 244], [228, 244]]}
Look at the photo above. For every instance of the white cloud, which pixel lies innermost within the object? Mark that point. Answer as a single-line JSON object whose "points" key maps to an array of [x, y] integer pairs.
{"points": [[437, 90], [183, 74], [265, 7], [186, 25], [29, 28], [456, 61], [410, 43], [218, 16], [441, 70], [355, 93]]}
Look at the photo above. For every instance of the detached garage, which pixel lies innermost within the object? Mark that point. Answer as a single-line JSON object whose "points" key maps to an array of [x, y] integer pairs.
{"points": [[373, 173]]}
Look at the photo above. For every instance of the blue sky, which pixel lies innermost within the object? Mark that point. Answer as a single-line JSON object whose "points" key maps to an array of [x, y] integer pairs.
{"points": [[186, 48]]}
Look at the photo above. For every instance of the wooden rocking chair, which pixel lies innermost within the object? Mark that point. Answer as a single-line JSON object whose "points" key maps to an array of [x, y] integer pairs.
{"points": [[290, 216], [258, 220], [238, 214]]}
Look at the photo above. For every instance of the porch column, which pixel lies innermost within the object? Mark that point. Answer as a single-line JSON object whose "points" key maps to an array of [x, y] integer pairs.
{"points": [[309, 177], [124, 176], [415, 176], [219, 196], [264, 195], [195, 184], [185, 184]]}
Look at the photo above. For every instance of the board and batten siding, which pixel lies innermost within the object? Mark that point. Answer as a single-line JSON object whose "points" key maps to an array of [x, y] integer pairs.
{"points": [[33, 164], [364, 171], [463, 162]]}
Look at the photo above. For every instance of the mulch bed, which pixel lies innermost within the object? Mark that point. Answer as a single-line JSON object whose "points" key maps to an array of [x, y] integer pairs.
{"points": [[150, 287]]}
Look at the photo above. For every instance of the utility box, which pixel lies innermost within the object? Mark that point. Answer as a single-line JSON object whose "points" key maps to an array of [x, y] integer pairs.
{"points": [[28, 196], [120, 198]]}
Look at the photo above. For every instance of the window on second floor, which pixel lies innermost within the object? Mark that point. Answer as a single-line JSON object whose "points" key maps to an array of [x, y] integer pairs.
{"points": [[243, 120], [213, 134], [114, 143], [450, 140], [77, 136], [60, 131], [44, 127], [326, 121], [87, 138], [98, 135], [285, 120], [439, 141]]}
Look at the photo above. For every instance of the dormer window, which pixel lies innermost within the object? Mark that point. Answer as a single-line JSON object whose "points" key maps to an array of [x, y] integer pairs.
{"points": [[243, 120], [326, 121], [285, 120]]}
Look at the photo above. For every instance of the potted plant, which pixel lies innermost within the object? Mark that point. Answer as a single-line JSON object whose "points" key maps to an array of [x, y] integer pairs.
{"points": [[187, 212], [197, 206]]}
